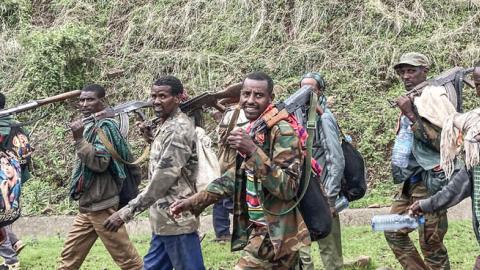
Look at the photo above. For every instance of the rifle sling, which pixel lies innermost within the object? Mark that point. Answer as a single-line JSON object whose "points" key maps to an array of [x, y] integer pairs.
{"points": [[308, 161], [111, 149]]}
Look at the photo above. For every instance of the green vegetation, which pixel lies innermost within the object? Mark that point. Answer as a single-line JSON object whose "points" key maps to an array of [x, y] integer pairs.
{"points": [[52, 46], [357, 241]]}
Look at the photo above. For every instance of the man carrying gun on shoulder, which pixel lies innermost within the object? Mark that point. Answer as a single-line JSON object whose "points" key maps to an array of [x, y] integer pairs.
{"points": [[265, 179], [172, 170], [420, 172], [96, 182]]}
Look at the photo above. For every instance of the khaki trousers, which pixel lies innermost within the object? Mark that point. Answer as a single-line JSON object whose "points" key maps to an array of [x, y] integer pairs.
{"points": [[87, 227]]}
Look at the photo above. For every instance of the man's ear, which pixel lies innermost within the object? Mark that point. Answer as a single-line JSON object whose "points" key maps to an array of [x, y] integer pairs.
{"points": [[272, 97]]}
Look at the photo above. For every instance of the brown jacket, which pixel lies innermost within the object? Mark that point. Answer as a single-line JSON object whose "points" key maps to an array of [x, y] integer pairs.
{"points": [[103, 192]]}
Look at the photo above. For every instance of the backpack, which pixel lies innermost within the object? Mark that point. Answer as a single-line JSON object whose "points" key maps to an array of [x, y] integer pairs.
{"points": [[208, 165], [10, 187], [354, 182], [129, 186]]}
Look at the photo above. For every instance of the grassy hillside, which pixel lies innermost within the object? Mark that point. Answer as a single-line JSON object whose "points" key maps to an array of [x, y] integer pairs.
{"points": [[51, 46]]}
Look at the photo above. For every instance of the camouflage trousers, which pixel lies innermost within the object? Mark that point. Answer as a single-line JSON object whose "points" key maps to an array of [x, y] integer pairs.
{"points": [[258, 254], [430, 235]]}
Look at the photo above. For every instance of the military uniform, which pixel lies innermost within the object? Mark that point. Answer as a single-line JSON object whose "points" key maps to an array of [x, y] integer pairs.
{"points": [[421, 179], [275, 166], [172, 171]]}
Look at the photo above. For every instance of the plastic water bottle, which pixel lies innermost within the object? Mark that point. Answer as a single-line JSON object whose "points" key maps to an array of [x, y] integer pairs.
{"points": [[394, 222], [403, 144], [341, 203]]}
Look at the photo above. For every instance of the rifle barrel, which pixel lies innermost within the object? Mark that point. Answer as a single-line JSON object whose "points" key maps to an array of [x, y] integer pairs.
{"points": [[59, 97]]}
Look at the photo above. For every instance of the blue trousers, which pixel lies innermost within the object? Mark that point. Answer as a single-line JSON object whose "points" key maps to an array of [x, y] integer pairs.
{"points": [[182, 252], [221, 221]]}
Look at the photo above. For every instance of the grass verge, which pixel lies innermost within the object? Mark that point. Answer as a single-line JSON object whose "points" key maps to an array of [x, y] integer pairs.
{"points": [[42, 253]]}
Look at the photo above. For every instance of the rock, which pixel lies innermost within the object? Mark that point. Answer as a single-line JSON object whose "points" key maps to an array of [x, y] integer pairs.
{"points": [[375, 205]]}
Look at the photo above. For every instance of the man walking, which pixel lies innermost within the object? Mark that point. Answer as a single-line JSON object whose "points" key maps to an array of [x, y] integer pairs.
{"points": [[172, 172], [327, 151], [422, 176], [96, 183], [264, 181]]}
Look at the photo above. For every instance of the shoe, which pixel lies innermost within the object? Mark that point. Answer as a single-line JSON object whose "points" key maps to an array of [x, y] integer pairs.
{"points": [[15, 266], [18, 246], [223, 239]]}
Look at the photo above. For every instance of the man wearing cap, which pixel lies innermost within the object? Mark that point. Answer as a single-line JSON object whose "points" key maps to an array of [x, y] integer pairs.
{"points": [[327, 151], [422, 176]]}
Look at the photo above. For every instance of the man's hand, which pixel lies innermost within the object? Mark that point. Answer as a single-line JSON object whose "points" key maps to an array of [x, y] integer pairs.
{"points": [[406, 106], [415, 210], [240, 141], [113, 223], [77, 129], [145, 131], [180, 206]]}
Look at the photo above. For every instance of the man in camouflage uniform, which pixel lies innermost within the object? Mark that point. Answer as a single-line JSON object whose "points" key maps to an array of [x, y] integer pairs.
{"points": [[264, 179], [172, 173], [421, 178]]}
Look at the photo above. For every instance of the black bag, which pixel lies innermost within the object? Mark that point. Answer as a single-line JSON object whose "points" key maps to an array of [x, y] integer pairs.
{"points": [[315, 209], [129, 190], [354, 182]]}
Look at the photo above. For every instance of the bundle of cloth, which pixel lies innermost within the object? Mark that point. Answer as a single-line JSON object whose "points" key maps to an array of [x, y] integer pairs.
{"points": [[458, 138]]}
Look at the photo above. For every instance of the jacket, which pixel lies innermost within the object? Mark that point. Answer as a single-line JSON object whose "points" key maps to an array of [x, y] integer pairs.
{"points": [[457, 189], [276, 165], [172, 173]]}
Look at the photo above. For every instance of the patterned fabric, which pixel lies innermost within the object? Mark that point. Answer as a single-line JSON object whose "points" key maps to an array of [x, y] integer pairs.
{"points": [[172, 172], [476, 193], [10, 172], [279, 174], [82, 175], [255, 210]]}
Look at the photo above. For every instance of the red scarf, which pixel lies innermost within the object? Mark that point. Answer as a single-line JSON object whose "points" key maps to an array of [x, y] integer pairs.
{"points": [[299, 129]]}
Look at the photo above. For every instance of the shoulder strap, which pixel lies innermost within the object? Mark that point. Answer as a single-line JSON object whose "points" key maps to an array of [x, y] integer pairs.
{"points": [[308, 161], [111, 149]]}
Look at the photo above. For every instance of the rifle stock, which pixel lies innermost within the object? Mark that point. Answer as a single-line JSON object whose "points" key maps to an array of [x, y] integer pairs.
{"points": [[231, 94]]}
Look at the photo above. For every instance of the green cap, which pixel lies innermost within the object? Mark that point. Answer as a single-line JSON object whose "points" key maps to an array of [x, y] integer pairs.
{"points": [[413, 59]]}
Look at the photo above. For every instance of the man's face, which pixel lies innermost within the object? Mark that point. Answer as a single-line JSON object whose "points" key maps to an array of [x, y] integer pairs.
{"points": [[254, 98], [90, 103], [411, 75], [312, 83], [164, 103], [476, 80]]}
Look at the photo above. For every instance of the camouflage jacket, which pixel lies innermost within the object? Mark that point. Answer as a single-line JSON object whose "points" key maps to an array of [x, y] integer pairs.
{"points": [[276, 165], [172, 173]]}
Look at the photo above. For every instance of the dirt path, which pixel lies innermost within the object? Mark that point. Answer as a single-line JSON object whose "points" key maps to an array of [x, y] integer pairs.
{"points": [[59, 225]]}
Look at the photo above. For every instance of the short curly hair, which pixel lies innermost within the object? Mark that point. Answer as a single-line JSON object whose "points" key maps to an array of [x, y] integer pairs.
{"points": [[172, 81]]}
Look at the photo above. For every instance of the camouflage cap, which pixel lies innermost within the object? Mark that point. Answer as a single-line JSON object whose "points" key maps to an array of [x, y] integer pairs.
{"points": [[414, 59]]}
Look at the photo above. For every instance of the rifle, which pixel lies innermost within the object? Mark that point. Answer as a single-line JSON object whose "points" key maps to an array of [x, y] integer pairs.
{"points": [[453, 78], [231, 94], [40, 102], [130, 106], [281, 110]]}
